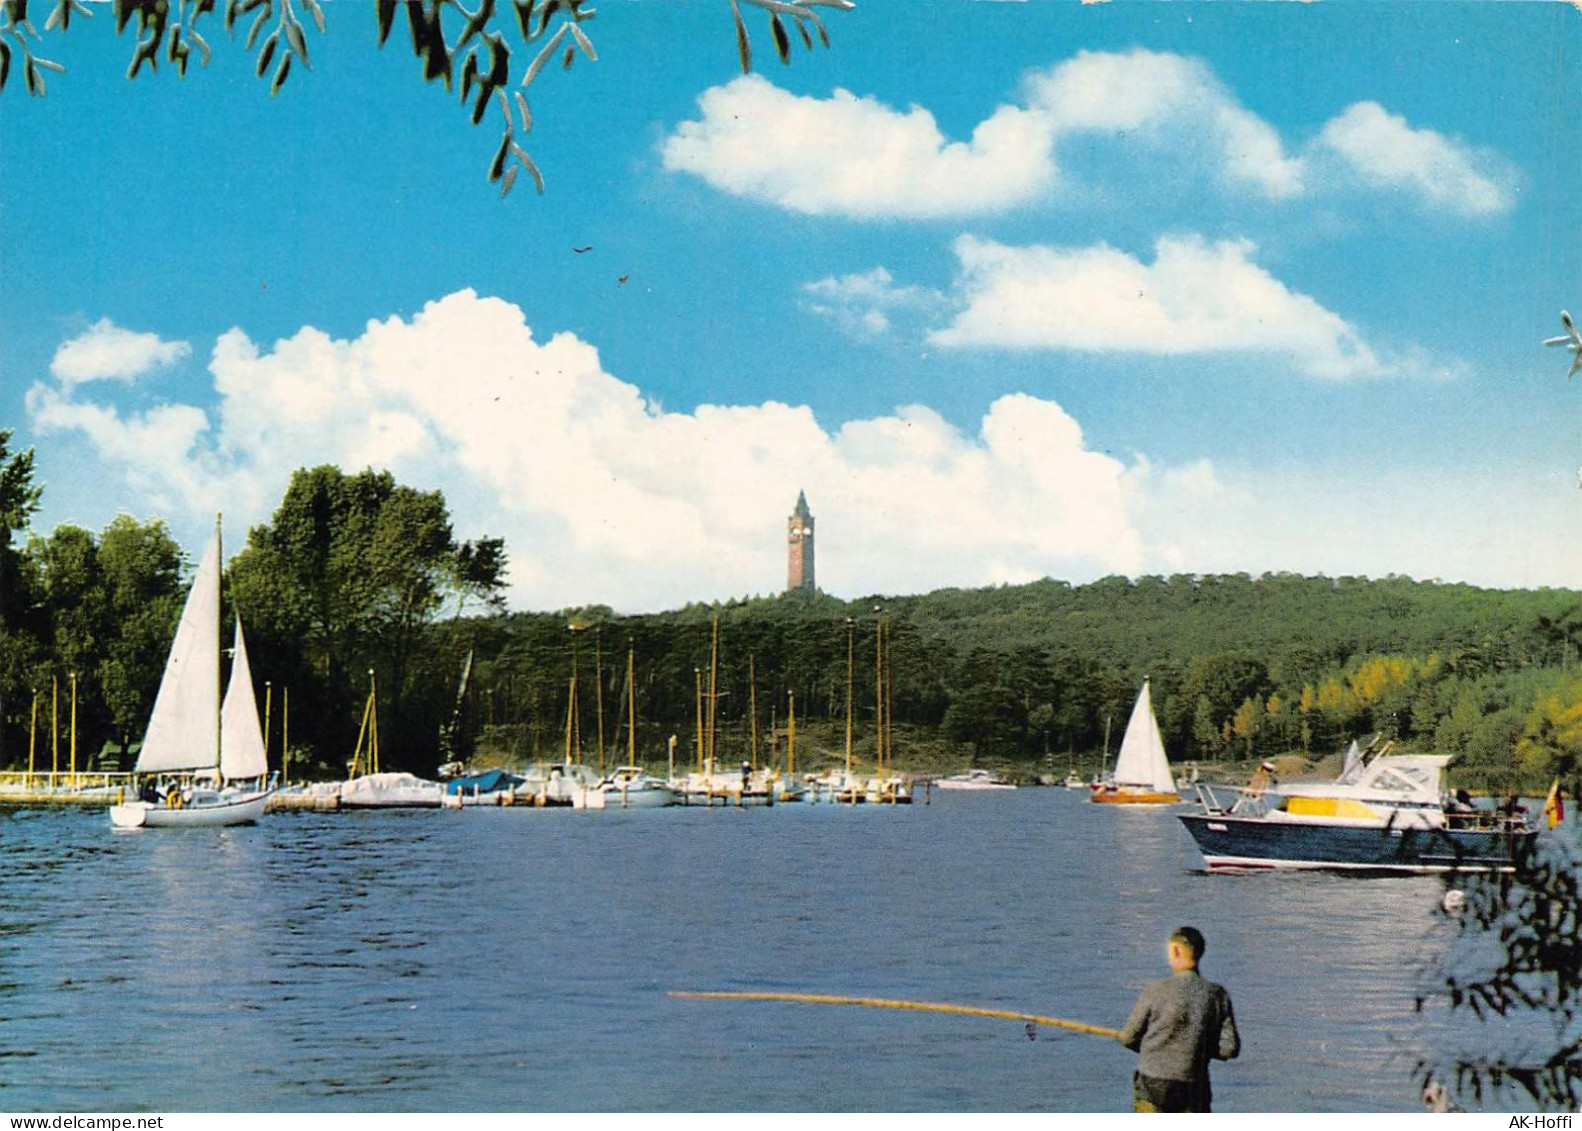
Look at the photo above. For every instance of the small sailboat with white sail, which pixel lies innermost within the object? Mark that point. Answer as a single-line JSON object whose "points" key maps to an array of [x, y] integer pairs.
{"points": [[217, 745], [1142, 769]]}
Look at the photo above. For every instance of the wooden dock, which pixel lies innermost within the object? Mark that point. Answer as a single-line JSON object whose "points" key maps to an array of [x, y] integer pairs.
{"points": [[97, 789]]}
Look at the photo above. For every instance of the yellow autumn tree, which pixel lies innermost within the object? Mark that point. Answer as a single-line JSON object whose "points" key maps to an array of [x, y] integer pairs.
{"points": [[1551, 742]]}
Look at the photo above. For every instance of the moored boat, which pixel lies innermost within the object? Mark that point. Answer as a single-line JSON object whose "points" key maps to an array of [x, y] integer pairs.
{"points": [[629, 787], [974, 780], [1389, 815], [489, 787], [390, 791]]}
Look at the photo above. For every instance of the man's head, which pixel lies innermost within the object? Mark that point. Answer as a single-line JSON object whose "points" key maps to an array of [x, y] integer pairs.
{"points": [[1186, 947]]}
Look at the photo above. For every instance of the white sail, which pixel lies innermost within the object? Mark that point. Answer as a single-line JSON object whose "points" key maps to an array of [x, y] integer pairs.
{"points": [[241, 740], [1142, 762], [183, 731]]}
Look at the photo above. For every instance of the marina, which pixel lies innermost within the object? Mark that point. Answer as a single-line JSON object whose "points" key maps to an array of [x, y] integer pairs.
{"points": [[341, 954]]}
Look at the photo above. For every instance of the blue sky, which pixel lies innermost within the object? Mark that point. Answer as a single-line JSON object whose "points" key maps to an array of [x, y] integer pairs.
{"points": [[1012, 290]]}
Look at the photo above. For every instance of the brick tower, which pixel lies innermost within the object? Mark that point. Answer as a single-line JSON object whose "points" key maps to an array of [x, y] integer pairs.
{"points": [[799, 548]]}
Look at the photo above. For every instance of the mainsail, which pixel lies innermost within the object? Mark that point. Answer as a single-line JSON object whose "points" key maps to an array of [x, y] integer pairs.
{"points": [[183, 731], [1142, 762], [241, 740]]}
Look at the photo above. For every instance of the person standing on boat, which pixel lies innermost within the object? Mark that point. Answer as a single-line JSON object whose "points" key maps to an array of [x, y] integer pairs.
{"points": [[1178, 1025]]}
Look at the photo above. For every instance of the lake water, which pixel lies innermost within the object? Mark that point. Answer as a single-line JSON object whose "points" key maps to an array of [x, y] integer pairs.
{"points": [[512, 959]]}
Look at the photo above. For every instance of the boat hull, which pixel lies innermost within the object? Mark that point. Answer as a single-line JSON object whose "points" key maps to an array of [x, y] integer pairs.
{"points": [[1132, 797], [245, 809], [1228, 842], [648, 797]]}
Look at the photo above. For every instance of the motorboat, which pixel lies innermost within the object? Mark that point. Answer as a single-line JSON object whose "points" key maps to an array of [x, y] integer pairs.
{"points": [[1390, 814], [490, 787], [974, 779], [739, 788], [892, 789], [628, 787], [555, 784], [1074, 781]]}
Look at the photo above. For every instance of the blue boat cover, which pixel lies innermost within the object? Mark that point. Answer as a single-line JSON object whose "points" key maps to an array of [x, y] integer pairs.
{"points": [[490, 781]]}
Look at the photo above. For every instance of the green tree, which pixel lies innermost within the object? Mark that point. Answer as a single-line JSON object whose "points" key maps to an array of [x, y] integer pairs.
{"points": [[19, 630], [350, 575], [1514, 977], [19, 501]]}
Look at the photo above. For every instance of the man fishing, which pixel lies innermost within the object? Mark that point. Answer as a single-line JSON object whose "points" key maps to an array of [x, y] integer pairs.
{"points": [[1178, 1025]]}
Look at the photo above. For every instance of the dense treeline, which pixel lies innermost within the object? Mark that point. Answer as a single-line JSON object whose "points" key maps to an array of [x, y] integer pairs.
{"points": [[356, 574], [353, 574], [1039, 677]]}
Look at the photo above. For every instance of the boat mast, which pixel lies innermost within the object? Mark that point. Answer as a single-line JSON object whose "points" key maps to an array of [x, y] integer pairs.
{"points": [[631, 711], [889, 696], [598, 690], [714, 679], [219, 651], [752, 706], [571, 715], [1104, 761], [851, 656], [697, 704], [791, 737], [878, 690]]}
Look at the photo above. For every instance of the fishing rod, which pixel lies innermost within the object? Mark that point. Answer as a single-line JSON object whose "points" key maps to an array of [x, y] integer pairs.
{"points": [[886, 1003]]}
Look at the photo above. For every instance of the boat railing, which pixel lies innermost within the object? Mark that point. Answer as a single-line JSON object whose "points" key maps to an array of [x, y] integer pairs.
{"points": [[1480, 819], [1249, 800]]}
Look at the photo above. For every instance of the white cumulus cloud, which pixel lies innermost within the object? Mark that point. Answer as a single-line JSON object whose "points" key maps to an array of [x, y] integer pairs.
{"points": [[856, 156], [853, 155], [1164, 100], [601, 495], [1195, 297], [1383, 151], [106, 351]]}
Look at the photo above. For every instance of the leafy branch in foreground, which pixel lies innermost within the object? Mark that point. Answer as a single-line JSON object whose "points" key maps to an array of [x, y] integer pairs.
{"points": [[446, 37], [1518, 961]]}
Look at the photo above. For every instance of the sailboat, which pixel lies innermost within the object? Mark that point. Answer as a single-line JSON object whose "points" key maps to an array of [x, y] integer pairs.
{"points": [[630, 786], [1142, 769], [193, 732]]}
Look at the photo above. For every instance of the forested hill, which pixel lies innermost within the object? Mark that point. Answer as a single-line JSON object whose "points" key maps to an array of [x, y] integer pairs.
{"points": [[1173, 620], [1030, 674]]}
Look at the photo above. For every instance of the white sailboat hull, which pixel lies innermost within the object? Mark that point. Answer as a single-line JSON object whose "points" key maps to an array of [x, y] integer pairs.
{"points": [[646, 796], [216, 811]]}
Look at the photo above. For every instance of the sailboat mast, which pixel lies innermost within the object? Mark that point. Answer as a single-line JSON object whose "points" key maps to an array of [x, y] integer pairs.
{"points": [[219, 652], [714, 681], [752, 705], [878, 691], [598, 690], [851, 656], [631, 711]]}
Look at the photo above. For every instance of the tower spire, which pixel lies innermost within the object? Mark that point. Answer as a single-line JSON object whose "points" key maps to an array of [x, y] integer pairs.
{"points": [[799, 548]]}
